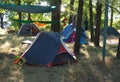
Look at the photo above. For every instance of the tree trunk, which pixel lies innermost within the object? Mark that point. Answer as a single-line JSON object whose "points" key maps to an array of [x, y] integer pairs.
{"points": [[56, 16], [29, 17], [118, 50], [78, 28], [111, 20], [71, 8], [112, 11], [91, 21], [19, 14], [1, 18], [98, 22]]}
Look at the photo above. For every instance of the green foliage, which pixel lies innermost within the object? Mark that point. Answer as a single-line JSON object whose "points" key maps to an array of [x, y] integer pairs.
{"points": [[14, 24], [2, 11], [46, 28], [117, 25], [67, 13], [86, 9]]}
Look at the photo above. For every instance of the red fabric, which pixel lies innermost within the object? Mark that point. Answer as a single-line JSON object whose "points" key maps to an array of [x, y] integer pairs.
{"points": [[72, 37], [49, 64], [61, 49]]}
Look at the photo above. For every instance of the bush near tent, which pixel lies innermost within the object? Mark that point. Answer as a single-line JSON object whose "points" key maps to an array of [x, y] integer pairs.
{"points": [[48, 49], [29, 29]]}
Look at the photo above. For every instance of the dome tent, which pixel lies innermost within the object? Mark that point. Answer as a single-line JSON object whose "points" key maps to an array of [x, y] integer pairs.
{"points": [[48, 50], [28, 29], [111, 31]]}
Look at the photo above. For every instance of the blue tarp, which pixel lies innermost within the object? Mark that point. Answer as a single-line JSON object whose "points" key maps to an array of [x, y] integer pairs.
{"points": [[28, 8]]}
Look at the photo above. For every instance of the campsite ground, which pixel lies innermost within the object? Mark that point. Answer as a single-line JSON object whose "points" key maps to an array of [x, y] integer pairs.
{"points": [[89, 67]]}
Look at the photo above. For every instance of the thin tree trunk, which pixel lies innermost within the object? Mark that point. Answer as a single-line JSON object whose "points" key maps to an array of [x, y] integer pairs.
{"points": [[111, 20], [118, 50], [71, 8], [78, 28], [19, 14], [98, 23], [1, 21], [56, 16], [91, 21], [29, 17]]}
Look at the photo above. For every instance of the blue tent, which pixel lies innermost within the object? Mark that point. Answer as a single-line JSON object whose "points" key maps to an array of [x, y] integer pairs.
{"points": [[48, 49], [69, 29], [69, 32], [111, 31]]}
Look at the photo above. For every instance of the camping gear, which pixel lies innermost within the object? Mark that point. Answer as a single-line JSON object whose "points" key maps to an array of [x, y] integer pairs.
{"points": [[29, 30], [27, 42], [111, 31], [48, 49], [28, 8], [68, 34], [34, 21]]}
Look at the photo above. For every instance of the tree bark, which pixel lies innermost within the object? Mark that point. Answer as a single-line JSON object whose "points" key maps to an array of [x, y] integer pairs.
{"points": [[29, 17], [91, 21], [19, 14], [118, 50], [56, 16], [71, 8], [1, 18], [78, 28], [98, 23], [111, 20]]}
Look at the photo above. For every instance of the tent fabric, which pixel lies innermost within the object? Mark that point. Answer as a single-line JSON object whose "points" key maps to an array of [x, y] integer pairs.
{"points": [[27, 8], [68, 34], [28, 29], [111, 31], [30, 21], [69, 29], [48, 50]]}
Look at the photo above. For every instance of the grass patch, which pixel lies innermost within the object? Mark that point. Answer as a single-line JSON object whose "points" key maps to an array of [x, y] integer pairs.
{"points": [[89, 68]]}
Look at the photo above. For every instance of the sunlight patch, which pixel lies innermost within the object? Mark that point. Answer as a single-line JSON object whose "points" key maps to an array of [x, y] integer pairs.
{"points": [[3, 31], [5, 47]]}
